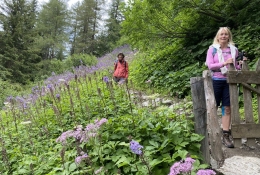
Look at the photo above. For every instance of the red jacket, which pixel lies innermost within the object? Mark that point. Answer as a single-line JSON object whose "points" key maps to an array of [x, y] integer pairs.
{"points": [[121, 69]]}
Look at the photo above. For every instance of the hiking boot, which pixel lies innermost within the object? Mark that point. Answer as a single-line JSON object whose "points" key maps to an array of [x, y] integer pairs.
{"points": [[226, 141], [231, 137]]}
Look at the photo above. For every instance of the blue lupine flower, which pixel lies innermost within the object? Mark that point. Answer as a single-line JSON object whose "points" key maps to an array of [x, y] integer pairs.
{"points": [[106, 79], [58, 96], [49, 86], [136, 147]]}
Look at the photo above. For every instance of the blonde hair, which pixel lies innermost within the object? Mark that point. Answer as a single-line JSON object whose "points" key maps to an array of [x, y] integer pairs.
{"points": [[230, 40]]}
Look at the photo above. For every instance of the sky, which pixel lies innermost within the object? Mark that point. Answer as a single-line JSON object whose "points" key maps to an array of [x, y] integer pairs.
{"points": [[70, 2]]}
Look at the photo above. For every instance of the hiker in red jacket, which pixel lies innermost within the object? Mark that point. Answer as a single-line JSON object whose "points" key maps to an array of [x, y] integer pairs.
{"points": [[121, 69]]}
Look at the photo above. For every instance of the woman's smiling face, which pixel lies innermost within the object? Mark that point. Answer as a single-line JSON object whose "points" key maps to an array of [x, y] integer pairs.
{"points": [[223, 37]]}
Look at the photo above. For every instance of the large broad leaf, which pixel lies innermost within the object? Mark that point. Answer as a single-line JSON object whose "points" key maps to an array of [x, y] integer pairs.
{"points": [[72, 167], [155, 162], [180, 153], [155, 144], [122, 162]]}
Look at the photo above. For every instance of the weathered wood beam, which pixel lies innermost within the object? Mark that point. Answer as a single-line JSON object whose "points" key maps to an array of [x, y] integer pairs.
{"points": [[251, 77], [212, 119], [246, 130], [200, 114], [258, 88], [251, 88], [248, 108]]}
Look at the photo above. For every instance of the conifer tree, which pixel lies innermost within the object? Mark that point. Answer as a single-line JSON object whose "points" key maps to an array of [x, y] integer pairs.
{"points": [[18, 55], [52, 26], [86, 26], [114, 21]]}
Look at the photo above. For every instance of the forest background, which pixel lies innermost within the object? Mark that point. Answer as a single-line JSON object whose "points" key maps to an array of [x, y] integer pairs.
{"points": [[170, 39]]}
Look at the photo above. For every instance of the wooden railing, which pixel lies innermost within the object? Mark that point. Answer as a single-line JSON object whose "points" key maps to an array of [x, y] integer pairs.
{"points": [[250, 83]]}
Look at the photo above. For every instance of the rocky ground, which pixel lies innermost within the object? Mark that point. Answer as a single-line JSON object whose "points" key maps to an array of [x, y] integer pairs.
{"points": [[241, 161]]}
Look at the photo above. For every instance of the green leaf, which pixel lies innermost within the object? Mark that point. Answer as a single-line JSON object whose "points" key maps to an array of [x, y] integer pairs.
{"points": [[122, 162], [72, 167], [183, 144], [23, 171], [155, 162], [180, 153], [124, 144], [196, 137], [148, 148], [155, 144]]}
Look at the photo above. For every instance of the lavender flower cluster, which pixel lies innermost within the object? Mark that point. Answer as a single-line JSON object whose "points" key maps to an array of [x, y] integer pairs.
{"points": [[136, 147], [186, 167], [82, 134]]}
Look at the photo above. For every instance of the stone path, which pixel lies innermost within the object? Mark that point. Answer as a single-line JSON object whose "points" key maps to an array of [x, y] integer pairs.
{"points": [[240, 165]]}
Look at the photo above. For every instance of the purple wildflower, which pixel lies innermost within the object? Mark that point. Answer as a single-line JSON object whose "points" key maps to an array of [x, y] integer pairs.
{"points": [[80, 158], [175, 169], [58, 96], [206, 172], [106, 79], [90, 127], [186, 166], [182, 167], [136, 147], [64, 136], [82, 134], [101, 122], [49, 86]]}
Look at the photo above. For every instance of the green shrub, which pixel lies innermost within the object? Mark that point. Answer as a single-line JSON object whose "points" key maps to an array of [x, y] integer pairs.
{"points": [[79, 59], [8, 89]]}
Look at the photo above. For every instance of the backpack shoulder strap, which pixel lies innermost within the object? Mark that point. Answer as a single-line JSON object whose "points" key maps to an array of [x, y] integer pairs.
{"points": [[125, 64], [214, 51], [115, 64]]}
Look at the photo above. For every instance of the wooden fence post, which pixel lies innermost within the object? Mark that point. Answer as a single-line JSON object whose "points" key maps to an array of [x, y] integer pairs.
{"points": [[258, 88], [200, 114], [212, 120], [234, 106]]}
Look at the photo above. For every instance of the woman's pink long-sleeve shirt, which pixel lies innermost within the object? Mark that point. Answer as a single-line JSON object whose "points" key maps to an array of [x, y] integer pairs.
{"points": [[214, 64]]}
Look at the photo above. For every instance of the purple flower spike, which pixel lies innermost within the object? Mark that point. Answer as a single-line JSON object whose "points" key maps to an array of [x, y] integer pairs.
{"points": [[58, 96], [49, 86], [136, 147], [106, 79], [206, 172]]}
